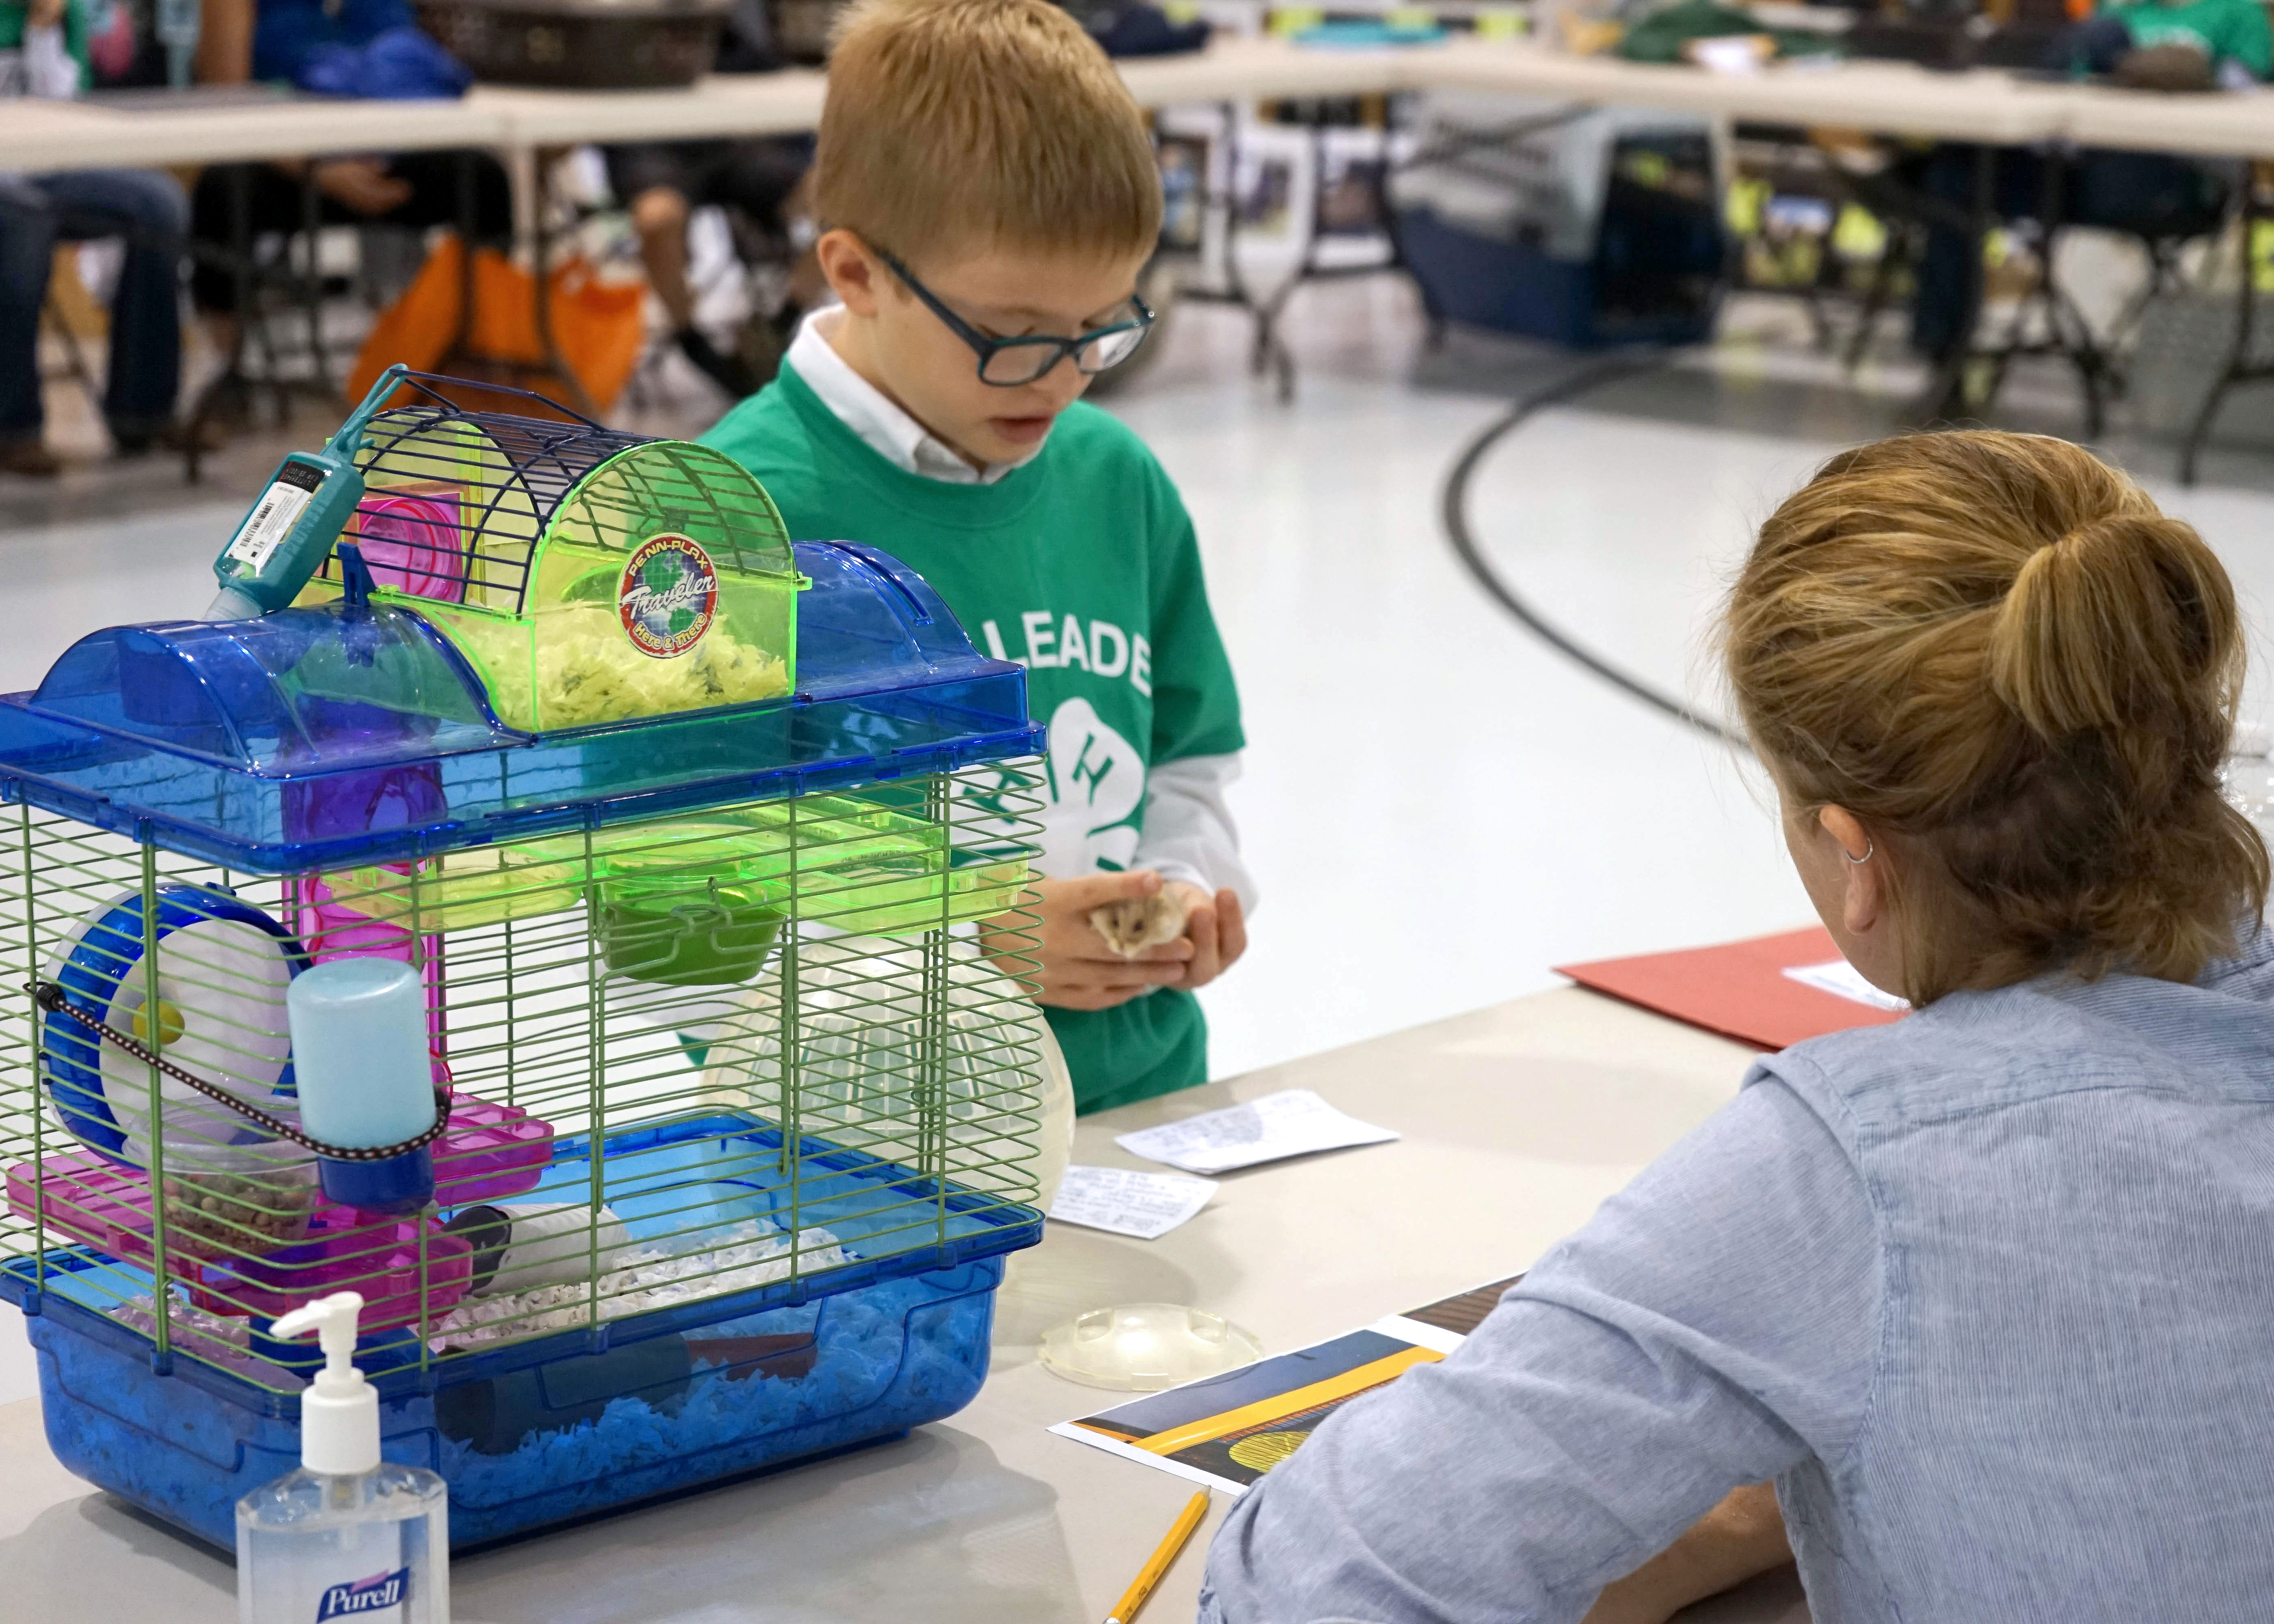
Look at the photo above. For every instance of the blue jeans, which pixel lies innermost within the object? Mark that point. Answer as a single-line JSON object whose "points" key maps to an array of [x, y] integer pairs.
{"points": [[76, 206]]}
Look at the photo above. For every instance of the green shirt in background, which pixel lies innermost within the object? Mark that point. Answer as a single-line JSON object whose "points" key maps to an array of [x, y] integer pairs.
{"points": [[12, 16], [2224, 30], [1081, 565]]}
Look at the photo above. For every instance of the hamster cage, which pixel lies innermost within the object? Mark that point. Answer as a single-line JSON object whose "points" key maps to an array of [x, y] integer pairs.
{"points": [[708, 851]]}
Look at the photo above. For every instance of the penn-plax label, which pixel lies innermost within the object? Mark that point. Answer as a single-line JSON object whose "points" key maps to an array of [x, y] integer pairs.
{"points": [[365, 1597], [668, 595], [275, 514]]}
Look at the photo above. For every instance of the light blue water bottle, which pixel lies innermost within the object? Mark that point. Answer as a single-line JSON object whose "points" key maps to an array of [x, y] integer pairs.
{"points": [[365, 1078]]}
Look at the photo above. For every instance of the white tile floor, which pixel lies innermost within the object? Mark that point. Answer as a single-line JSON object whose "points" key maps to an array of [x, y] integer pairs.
{"points": [[1438, 809]]}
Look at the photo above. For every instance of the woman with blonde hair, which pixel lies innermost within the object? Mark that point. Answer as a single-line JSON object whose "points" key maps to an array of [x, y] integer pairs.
{"points": [[1986, 1293]]}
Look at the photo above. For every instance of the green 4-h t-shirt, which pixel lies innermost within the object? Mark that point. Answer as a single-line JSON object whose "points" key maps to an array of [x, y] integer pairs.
{"points": [[2221, 29], [1081, 565], [13, 16]]}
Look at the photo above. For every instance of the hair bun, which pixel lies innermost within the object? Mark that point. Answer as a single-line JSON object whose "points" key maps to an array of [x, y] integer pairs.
{"points": [[2110, 625], [2020, 676]]}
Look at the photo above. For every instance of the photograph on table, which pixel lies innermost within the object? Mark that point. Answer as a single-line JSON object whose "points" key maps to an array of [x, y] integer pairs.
{"points": [[1227, 1430]]}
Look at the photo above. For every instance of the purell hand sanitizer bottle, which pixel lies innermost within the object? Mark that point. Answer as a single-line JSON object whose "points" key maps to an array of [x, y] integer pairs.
{"points": [[349, 1536]]}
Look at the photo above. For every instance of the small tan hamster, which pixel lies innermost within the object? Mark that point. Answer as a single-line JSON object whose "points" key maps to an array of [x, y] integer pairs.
{"points": [[1135, 923]]}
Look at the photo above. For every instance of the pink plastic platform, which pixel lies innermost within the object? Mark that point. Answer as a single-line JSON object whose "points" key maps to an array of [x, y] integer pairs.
{"points": [[489, 1152], [343, 1248]]}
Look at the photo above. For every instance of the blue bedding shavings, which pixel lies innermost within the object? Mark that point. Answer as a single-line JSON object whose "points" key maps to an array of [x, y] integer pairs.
{"points": [[865, 1342]]}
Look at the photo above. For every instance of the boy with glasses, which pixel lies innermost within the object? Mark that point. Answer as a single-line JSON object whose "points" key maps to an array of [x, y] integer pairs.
{"points": [[988, 196]]}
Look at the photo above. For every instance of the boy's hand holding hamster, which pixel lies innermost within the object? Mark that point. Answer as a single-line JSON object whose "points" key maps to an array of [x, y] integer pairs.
{"points": [[1107, 938]]}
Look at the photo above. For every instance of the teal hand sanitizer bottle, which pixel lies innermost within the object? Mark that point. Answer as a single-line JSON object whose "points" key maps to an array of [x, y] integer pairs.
{"points": [[305, 504], [347, 1536]]}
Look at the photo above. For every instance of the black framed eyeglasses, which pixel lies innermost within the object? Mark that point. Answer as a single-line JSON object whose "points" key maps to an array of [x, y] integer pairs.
{"points": [[1006, 362]]}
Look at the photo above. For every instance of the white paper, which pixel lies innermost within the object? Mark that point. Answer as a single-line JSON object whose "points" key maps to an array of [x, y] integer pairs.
{"points": [[1842, 979], [1123, 1202], [1294, 1121]]}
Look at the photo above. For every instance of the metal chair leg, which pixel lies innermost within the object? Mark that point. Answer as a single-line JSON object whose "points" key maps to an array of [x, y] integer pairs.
{"points": [[2238, 367]]}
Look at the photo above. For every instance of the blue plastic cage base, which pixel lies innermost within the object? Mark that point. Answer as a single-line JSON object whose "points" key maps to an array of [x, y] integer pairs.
{"points": [[708, 1486], [578, 1423], [885, 1359]]}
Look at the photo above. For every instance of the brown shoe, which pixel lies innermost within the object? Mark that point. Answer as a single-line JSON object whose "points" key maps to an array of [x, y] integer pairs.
{"points": [[30, 458]]}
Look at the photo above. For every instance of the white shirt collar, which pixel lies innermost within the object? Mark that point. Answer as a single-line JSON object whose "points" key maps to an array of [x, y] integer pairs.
{"points": [[869, 413]]}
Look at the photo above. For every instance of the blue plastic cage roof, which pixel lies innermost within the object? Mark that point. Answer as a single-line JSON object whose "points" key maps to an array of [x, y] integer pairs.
{"points": [[314, 738]]}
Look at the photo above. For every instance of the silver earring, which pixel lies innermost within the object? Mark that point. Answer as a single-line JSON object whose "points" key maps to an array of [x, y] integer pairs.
{"points": [[1869, 847]]}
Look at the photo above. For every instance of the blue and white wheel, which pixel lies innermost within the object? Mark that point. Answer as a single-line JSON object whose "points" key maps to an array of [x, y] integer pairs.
{"points": [[223, 967]]}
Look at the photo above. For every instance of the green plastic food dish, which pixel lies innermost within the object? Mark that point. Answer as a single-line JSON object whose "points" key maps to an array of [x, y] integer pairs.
{"points": [[685, 931]]}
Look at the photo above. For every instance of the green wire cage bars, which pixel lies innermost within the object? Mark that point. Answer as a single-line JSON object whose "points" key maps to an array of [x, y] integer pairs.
{"points": [[748, 1100]]}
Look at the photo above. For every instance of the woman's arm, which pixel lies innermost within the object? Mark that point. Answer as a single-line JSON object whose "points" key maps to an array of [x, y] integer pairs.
{"points": [[1710, 1327], [1742, 1537], [54, 50]]}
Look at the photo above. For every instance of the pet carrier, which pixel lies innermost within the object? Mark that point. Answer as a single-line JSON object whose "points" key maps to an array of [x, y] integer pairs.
{"points": [[1580, 226], [708, 853]]}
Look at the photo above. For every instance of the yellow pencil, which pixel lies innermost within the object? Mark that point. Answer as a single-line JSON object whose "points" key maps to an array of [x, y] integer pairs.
{"points": [[1125, 1611]]}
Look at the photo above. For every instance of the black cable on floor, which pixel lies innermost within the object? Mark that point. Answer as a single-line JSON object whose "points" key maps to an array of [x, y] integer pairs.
{"points": [[1454, 511]]}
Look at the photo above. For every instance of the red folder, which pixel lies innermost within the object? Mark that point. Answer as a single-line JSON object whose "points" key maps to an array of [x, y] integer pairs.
{"points": [[1739, 990]]}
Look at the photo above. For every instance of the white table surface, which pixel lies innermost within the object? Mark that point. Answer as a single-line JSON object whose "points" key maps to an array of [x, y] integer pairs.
{"points": [[1890, 96], [1885, 97], [37, 135], [2208, 125], [783, 103], [1518, 1121]]}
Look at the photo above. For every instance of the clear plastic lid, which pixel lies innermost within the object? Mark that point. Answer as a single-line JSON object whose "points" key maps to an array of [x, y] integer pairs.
{"points": [[1145, 1346]]}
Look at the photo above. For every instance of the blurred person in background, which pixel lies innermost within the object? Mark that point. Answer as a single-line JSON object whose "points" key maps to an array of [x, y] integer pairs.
{"points": [[2160, 45], [241, 41], [44, 52], [662, 183]]}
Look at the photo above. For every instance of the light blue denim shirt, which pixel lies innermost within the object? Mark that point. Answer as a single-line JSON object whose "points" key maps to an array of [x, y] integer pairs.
{"points": [[1989, 1292]]}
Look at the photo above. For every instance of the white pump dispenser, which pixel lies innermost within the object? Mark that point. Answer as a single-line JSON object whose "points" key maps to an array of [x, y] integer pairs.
{"points": [[339, 1413], [349, 1535]]}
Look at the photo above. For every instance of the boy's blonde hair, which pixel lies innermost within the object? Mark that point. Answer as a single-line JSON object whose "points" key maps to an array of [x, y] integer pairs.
{"points": [[956, 125], [1998, 654]]}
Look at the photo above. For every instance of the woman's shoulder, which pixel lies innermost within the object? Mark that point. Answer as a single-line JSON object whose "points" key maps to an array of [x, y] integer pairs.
{"points": [[1972, 1052]]}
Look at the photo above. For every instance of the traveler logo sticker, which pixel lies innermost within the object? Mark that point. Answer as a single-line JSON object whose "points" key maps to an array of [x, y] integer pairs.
{"points": [[375, 1593], [668, 595]]}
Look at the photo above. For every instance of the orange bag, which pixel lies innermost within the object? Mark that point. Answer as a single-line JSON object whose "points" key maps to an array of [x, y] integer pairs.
{"points": [[597, 326]]}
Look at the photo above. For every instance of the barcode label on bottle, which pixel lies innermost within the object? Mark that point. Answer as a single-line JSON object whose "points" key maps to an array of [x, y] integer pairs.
{"points": [[273, 517]]}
